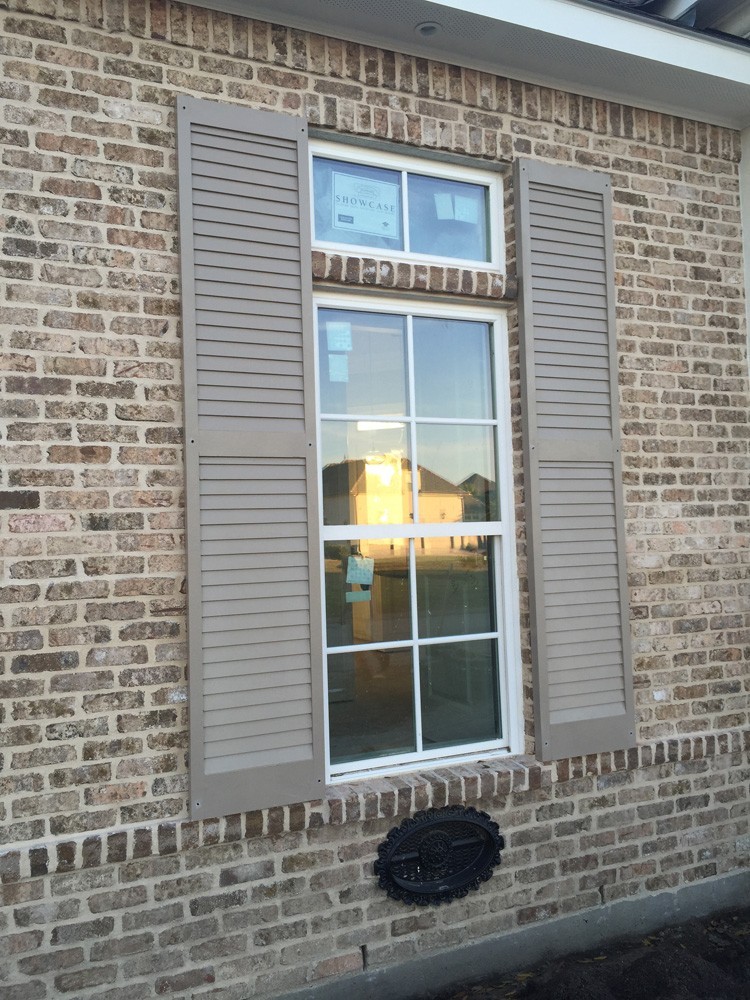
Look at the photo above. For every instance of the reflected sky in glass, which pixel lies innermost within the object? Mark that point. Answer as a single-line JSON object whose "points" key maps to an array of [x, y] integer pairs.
{"points": [[448, 218], [456, 473], [452, 369], [362, 362]]}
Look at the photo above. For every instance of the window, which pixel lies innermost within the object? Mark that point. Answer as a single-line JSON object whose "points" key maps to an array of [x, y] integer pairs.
{"points": [[412, 439], [409, 526], [415, 502], [404, 206]]}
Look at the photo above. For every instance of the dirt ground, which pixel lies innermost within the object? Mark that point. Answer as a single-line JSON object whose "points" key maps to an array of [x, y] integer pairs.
{"points": [[705, 959]]}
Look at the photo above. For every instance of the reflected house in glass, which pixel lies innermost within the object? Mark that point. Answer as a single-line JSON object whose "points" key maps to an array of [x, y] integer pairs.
{"points": [[372, 711], [484, 493], [375, 489]]}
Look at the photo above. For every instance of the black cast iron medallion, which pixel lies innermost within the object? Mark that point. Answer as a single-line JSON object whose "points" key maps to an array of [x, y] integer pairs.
{"points": [[438, 855]]}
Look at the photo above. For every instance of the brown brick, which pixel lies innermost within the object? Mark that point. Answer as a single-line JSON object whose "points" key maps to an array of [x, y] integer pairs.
{"points": [[338, 965], [37, 965], [122, 898], [80, 775], [44, 523], [72, 455], [43, 662], [34, 990], [102, 951], [180, 982], [246, 873], [86, 979]]}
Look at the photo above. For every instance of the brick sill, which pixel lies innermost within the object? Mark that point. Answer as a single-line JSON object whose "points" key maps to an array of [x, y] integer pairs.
{"points": [[483, 783], [382, 272]]}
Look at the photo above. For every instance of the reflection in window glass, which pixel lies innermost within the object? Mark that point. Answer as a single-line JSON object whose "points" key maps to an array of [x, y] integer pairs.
{"points": [[366, 472], [362, 362], [448, 218], [452, 369], [459, 692], [357, 205], [367, 591], [454, 586], [370, 704], [456, 473], [408, 415]]}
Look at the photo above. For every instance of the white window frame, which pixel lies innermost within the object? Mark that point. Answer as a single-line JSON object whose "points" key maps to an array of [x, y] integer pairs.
{"points": [[502, 532], [490, 179]]}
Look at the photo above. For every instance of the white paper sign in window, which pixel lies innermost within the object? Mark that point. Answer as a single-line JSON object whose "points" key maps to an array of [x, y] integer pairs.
{"points": [[365, 205]]}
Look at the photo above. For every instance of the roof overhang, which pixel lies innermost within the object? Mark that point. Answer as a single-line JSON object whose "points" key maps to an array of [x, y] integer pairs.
{"points": [[569, 44]]}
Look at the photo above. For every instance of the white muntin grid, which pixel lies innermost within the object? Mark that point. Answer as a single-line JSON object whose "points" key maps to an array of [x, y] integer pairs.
{"points": [[500, 535]]}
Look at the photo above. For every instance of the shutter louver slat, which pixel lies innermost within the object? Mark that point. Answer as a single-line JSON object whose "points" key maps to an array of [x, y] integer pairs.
{"points": [[251, 145], [255, 690], [238, 240], [254, 605], [547, 234], [207, 277], [582, 672], [294, 654]]}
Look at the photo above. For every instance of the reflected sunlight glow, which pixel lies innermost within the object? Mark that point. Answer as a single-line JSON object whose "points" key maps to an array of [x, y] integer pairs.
{"points": [[379, 425]]}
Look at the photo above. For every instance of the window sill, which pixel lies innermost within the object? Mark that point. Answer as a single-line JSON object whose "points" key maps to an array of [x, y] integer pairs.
{"points": [[484, 783], [457, 784], [433, 279]]}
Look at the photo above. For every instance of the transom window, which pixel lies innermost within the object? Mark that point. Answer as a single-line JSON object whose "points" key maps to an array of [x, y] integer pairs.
{"points": [[415, 499], [424, 210]]}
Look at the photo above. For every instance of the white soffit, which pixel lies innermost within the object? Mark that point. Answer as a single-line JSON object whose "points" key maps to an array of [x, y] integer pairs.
{"points": [[569, 44]]}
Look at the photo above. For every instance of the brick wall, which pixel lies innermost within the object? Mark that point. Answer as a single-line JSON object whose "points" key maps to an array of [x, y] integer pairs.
{"points": [[254, 905], [92, 666]]}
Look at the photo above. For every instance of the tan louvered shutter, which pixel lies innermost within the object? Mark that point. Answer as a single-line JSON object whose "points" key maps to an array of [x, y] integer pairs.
{"points": [[578, 589], [254, 622]]}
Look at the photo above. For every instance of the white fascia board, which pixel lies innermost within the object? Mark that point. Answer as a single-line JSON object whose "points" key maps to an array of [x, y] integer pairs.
{"points": [[617, 31]]}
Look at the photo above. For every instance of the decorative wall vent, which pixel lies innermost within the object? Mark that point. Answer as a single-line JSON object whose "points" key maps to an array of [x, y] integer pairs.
{"points": [[438, 855]]}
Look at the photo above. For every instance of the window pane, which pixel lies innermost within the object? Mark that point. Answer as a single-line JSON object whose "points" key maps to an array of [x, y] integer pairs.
{"points": [[458, 684], [370, 704], [362, 362], [366, 472], [454, 586], [367, 591], [448, 218], [452, 369], [357, 205], [456, 473]]}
